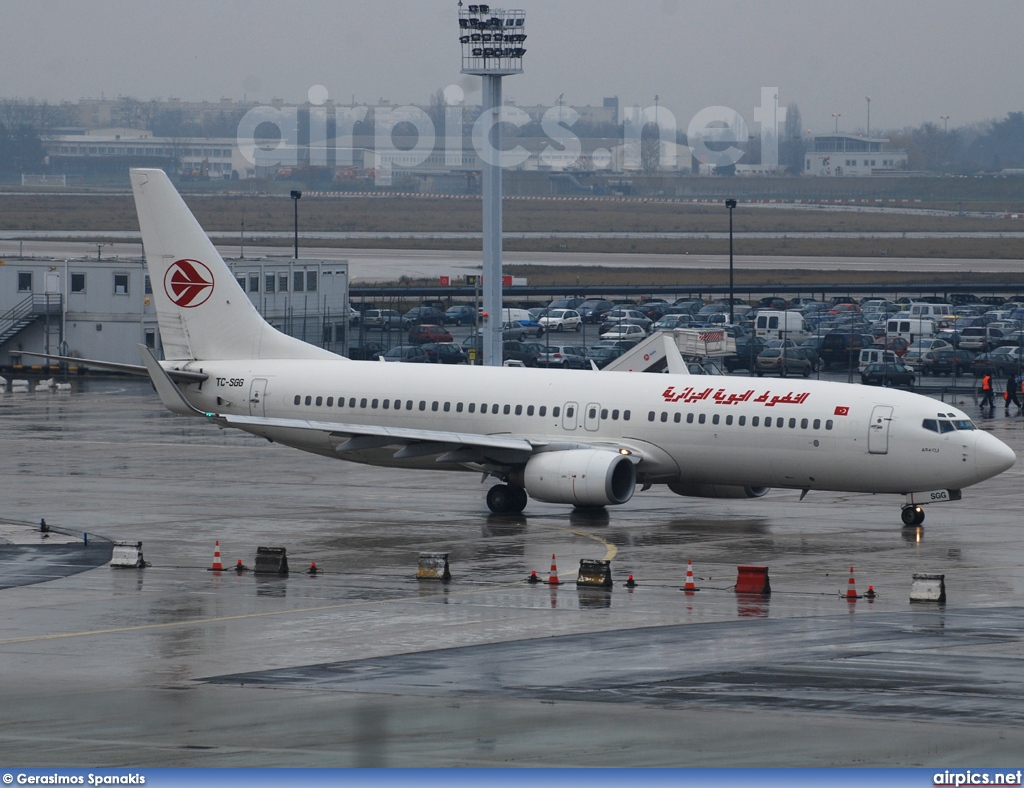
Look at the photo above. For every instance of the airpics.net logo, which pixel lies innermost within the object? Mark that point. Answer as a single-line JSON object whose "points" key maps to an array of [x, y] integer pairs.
{"points": [[270, 136]]}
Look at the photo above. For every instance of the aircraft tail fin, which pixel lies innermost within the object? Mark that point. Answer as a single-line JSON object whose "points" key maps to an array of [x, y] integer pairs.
{"points": [[202, 311]]}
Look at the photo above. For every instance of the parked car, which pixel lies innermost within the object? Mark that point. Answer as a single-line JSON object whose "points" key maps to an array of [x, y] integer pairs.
{"points": [[784, 361], [409, 354], [624, 331], [922, 349], [604, 355], [445, 353], [842, 349], [948, 362], [1002, 361], [747, 351], [625, 316], [383, 318], [892, 374], [980, 339], [518, 351], [460, 315], [563, 357], [593, 310], [421, 334], [424, 314], [561, 320], [368, 351]]}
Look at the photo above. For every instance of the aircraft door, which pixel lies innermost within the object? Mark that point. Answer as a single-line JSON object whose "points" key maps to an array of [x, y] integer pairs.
{"points": [[878, 429], [592, 416], [569, 415], [257, 395]]}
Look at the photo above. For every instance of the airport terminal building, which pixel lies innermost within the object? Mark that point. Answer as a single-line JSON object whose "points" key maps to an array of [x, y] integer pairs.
{"points": [[103, 309]]}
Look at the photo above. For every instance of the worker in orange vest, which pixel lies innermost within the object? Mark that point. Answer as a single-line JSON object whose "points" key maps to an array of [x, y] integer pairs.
{"points": [[987, 395]]}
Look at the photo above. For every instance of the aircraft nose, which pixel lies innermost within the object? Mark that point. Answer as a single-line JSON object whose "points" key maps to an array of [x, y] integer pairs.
{"points": [[992, 456]]}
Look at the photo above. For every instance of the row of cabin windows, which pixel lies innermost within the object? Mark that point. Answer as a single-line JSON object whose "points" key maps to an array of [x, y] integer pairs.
{"points": [[302, 281], [755, 421], [397, 404]]}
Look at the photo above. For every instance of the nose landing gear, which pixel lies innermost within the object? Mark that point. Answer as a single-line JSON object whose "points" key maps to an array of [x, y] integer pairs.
{"points": [[913, 515]]}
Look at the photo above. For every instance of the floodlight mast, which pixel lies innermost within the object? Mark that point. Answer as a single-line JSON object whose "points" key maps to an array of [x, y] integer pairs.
{"points": [[492, 47]]}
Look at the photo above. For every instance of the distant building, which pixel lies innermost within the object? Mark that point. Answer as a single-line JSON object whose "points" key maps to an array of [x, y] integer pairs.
{"points": [[852, 155]]}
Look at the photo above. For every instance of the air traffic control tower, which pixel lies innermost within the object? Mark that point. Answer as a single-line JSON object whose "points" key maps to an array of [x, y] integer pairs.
{"points": [[492, 47]]}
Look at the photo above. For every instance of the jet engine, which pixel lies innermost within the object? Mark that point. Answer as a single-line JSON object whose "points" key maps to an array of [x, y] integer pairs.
{"points": [[716, 490], [584, 477]]}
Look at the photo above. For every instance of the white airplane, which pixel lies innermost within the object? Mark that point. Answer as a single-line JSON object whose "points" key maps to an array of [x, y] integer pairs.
{"points": [[581, 438]]}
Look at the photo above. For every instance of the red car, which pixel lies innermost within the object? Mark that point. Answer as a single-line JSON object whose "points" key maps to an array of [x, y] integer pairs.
{"points": [[422, 334]]}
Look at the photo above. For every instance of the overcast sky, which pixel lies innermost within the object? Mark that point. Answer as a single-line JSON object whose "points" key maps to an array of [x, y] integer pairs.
{"points": [[917, 59]]}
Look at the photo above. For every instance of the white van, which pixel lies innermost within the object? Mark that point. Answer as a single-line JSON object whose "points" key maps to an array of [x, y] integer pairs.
{"points": [[875, 355], [911, 329], [930, 311], [511, 315], [773, 324]]}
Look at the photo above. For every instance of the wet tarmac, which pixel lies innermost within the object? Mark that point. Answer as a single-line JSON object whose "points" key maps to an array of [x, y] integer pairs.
{"points": [[363, 665]]}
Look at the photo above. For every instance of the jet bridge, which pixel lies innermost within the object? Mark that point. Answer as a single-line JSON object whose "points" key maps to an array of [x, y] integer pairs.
{"points": [[693, 343]]}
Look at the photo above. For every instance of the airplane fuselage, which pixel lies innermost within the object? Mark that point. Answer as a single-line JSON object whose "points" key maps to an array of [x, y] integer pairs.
{"points": [[753, 432]]}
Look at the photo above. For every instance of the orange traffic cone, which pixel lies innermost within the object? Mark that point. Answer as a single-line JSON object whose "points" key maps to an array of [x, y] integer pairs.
{"points": [[689, 586], [553, 579], [217, 565], [851, 588]]}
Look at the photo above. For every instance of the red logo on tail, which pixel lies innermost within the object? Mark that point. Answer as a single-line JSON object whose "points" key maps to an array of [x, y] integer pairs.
{"points": [[188, 283]]}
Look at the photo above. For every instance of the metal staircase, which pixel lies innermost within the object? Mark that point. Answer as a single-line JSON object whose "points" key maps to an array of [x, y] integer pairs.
{"points": [[26, 312], [649, 355]]}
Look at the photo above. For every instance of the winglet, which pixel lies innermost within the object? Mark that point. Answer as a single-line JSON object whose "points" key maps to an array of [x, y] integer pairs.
{"points": [[170, 395], [676, 365]]}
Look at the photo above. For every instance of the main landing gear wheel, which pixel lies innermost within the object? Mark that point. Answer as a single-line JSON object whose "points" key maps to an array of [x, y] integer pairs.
{"points": [[913, 515], [506, 499]]}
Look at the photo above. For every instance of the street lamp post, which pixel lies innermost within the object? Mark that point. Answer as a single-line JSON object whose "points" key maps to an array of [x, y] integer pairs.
{"points": [[837, 116], [296, 196], [945, 123], [730, 204], [869, 122]]}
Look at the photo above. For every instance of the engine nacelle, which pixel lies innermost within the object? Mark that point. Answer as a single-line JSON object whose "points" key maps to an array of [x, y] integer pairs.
{"points": [[717, 490], [584, 477]]}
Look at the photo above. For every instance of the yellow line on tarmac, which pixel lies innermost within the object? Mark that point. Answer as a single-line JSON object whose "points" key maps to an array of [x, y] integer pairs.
{"points": [[610, 550]]}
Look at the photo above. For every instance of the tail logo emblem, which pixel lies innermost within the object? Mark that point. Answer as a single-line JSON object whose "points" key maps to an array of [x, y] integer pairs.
{"points": [[188, 283]]}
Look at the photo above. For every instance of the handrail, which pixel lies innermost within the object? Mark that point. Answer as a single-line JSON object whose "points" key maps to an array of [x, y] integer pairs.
{"points": [[15, 318]]}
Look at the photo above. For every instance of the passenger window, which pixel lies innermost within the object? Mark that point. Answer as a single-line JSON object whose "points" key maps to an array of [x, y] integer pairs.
{"points": [[423, 404], [458, 407], [507, 409], [828, 424], [792, 424], [472, 407], [604, 413], [625, 415], [803, 424], [519, 410], [319, 401], [689, 418], [664, 416], [352, 402], [570, 412], [650, 416], [755, 421], [715, 419], [433, 406], [447, 407], [817, 424], [386, 404], [330, 402], [309, 400], [362, 402], [780, 423], [743, 421], [542, 410], [677, 418], [298, 399], [592, 414], [529, 410], [728, 420], [615, 414], [373, 404], [702, 418], [556, 410], [768, 421], [483, 408]]}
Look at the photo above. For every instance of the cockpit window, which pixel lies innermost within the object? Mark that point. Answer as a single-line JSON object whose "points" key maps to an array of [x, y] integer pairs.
{"points": [[964, 424], [930, 424], [946, 426]]}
